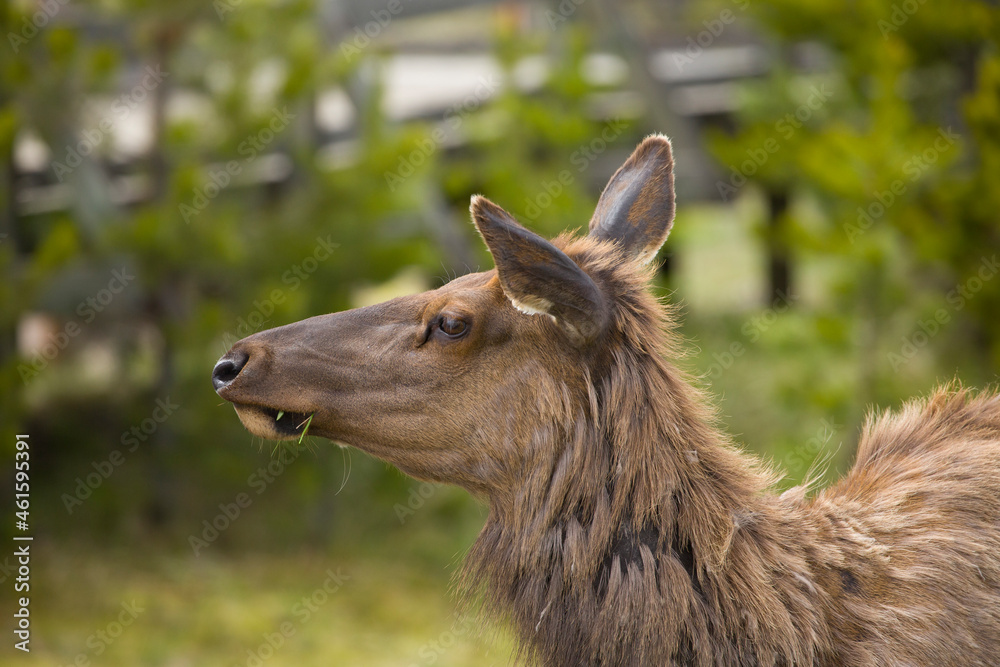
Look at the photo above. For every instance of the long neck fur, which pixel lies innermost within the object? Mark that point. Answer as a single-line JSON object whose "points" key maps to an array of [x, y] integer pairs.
{"points": [[639, 535]]}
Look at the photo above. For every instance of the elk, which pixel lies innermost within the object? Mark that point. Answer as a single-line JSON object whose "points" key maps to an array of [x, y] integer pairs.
{"points": [[624, 526]]}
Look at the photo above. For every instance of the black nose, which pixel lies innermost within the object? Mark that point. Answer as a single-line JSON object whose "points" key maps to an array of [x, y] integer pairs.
{"points": [[227, 368]]}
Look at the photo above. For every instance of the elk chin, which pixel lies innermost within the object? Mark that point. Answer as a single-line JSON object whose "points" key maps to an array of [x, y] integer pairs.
{"points": [[266, 423]]}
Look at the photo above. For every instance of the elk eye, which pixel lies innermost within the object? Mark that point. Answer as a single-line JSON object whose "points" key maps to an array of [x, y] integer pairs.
{"points": [[452, 327]]}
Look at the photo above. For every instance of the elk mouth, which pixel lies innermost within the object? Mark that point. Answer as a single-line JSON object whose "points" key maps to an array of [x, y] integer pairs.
{"points": [[272, 423]]}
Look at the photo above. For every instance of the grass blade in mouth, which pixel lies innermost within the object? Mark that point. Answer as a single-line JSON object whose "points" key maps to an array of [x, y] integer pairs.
{"points": [[281, 413], [307, 422]]}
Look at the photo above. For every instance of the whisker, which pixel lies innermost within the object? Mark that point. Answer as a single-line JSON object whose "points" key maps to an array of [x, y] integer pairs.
{"points": [[347, 469]]}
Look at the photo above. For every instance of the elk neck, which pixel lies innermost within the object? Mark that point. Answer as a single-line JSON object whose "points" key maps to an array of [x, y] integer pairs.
{"points": [[629, 496]]}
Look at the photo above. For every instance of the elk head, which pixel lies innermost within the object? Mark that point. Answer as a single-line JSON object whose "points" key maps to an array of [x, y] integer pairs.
{"points": [[441, 383]]}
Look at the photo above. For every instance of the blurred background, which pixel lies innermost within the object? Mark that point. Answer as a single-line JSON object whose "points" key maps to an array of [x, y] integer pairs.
{"points": [[178, 175]]}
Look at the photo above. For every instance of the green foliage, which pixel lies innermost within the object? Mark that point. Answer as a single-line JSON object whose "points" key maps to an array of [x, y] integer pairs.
{"points": [[897, 154], [906, 104]]}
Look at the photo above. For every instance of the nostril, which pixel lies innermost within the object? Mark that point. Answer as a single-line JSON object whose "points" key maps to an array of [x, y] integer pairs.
{"points": [[227, 368]]}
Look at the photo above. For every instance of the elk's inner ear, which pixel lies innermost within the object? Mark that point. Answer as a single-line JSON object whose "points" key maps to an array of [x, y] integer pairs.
{"points": [[537, 277], [636, 209]]}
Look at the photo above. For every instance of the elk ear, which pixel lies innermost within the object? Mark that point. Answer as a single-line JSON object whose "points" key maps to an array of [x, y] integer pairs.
{"points": [[636, 209], [537, 277]]}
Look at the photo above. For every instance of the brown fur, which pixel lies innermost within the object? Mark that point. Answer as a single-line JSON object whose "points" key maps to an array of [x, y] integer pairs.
{"points": [[898, 564], [625, 528]]}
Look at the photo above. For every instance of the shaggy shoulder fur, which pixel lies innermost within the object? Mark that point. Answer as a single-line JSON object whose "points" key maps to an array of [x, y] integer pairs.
{"points": [[640, 535]]}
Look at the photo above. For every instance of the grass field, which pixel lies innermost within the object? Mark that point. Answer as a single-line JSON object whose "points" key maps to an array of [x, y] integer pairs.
{"points": [[135, 608]]}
